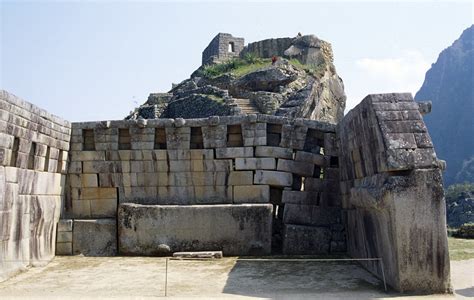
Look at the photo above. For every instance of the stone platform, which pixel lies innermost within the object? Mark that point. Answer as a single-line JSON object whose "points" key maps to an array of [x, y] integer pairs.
{"points": [[236, 229]]}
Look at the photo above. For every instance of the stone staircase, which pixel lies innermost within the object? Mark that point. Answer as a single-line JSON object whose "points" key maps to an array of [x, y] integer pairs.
{"points": [[247, 106]]}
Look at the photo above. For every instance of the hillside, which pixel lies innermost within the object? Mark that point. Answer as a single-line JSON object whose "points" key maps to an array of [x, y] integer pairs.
{"points": [[292, 77], [449, 84]]}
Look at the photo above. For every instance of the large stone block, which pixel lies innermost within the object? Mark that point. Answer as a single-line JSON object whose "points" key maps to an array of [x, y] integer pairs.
{"points": [[233, 152], [266, 163], [65, 225], [312, 158], [306, 240], [303, 214], [103, 208], [277, 152], [300, 197], [273, 178], [296, 167], [252, 194], [63, 248], [234, 229], [208, 195], [240, 178], [95, 237]]}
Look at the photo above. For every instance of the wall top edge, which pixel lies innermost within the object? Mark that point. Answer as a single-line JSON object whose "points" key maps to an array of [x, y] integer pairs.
{"points": [[210, 121], [30, 107]]}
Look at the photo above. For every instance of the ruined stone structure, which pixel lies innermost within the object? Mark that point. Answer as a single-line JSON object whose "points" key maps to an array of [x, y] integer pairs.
{"points": [[367, 184], [302, 83], [222, 46], [248, 185]]}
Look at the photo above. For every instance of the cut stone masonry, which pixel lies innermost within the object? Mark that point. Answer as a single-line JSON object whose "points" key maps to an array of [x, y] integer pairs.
{"points": [[370, 187]]}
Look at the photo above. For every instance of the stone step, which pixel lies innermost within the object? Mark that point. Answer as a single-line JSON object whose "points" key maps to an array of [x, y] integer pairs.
{"points": [[246, 106]]}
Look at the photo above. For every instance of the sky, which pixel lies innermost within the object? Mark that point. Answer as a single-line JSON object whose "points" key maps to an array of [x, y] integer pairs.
{"points": [[97, 60]]}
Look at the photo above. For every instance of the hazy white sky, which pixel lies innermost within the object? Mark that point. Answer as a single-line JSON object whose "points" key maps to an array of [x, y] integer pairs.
{"points": [[97, 60]]}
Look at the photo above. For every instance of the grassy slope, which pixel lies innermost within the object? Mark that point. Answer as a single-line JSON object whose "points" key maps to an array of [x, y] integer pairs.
{"points": [[460, 249], [246, 69]]}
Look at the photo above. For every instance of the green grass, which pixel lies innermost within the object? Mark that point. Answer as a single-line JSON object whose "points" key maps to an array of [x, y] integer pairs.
{"points": [[460, 249], [236, 66], [249, 68], [239, 67]]}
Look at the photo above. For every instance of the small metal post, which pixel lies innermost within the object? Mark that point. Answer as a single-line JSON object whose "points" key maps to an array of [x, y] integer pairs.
{"points": [[383, 274], [166, 278]]}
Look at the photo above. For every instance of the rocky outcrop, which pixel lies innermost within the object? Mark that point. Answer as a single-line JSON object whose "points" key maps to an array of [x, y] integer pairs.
{"points": [[449, 85], [268, 79], [302, 83]]}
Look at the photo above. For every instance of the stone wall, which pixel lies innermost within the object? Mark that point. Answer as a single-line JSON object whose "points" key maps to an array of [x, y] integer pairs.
{"points": [[247, 184], [33, 162], [222, 46], [234, 160], [269, 47], [392, 193]]}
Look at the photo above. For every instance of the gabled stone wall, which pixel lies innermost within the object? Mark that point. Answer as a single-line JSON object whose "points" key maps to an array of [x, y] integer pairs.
{"points": [[392, 193], [33, 162]]}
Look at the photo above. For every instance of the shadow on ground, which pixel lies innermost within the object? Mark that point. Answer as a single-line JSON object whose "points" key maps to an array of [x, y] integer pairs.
{"points": [[262, 278]]}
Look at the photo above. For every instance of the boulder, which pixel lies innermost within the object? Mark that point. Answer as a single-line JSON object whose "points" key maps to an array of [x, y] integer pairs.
{"points": [[267, 79]]}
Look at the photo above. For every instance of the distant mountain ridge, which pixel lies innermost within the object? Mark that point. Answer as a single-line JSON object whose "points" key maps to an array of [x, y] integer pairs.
{"points": [[449, 84]]}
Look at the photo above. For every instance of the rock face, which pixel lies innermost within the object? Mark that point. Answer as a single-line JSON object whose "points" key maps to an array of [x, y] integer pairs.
{"points": [[302, 83], [449, 85]]}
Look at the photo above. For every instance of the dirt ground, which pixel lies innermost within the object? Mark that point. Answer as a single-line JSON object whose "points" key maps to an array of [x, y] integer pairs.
{"points": [[144, 277]]}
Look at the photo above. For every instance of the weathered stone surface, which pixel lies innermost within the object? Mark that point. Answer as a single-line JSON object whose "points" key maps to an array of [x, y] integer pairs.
{"points": [[306, 240], [296, 167], [312, 158], [266, 163], [95, 237], [65, 225], [234, 152], [252, 194], [31, 183], [304, 214], [277, 152], [394, 195], [232, 229], [63, 248], [240, 178], [273, 178], [268, 79], [301, 197]]}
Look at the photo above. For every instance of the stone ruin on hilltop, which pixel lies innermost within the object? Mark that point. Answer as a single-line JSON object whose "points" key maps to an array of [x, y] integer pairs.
{"points": [[286, 174], [303, 83]]}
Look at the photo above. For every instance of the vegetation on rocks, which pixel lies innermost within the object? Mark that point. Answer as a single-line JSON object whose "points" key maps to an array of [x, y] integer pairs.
{"points": [[236, 66], [460, 204], [316, 71]]}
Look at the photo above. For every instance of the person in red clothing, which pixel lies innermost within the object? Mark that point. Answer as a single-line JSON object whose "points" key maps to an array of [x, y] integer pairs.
{"points": [[274, 59]]}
